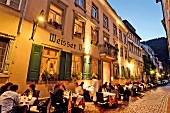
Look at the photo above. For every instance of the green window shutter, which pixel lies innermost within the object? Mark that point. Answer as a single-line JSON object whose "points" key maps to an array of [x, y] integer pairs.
{"points": [[99, 69], [68, 66], [62, 65], [35, 62], [87, 68], [65, 66]]}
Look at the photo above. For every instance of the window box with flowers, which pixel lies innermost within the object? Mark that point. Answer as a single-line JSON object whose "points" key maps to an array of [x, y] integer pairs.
{"points": [[77, 76], [47, 76]]}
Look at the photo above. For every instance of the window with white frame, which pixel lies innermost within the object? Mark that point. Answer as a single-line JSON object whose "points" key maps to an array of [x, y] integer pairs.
{"points": [[79, 27], [13, 3], [81, 3], [114, 29], [94, 11], [3, 50], [105, 21], [55, 16]]}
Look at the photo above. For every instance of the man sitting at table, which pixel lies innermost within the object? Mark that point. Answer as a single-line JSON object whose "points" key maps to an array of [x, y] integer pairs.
{"points": [[31, 89], [9, 98], [78, 89]]}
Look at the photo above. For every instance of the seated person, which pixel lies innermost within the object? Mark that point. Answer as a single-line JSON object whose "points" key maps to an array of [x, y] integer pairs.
{"points": [[59, 96], [9, 98], [110, 87], [59, 91], [78, 89], [105, 86], [81, 84], [31, 89], [5, 87]]}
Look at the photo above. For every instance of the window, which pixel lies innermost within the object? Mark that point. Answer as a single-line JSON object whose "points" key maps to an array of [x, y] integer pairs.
{"points": [[79, 27], [55, 16], [13, 3], [105, 37], [125, 53], [121, 51], [81, 3], [49, 64], [3, 50], [120, 34], [94, 65], [124, 35], [94, 36], [76, 68], [114, 29], [105, 21], [94, 11]]}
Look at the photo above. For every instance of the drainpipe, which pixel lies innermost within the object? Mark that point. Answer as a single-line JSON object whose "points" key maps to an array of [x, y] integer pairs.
{"points": [[22, 18]]}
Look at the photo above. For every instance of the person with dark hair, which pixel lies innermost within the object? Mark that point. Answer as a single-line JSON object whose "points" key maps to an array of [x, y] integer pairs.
{"points": [[31, 89], [81, 84], [58, 91], [5, 87], [78, 89], [9, 98]]}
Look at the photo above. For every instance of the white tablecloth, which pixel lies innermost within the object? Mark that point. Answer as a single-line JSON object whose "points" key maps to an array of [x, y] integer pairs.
{"points": [[25, 100], [108, 94], [79, 97]]}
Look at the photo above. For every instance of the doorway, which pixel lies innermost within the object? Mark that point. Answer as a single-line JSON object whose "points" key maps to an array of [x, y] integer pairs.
{"points": [[106, 72]]}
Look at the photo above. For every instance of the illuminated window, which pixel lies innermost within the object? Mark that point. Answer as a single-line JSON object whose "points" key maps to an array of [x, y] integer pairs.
{"points": [[76, 67], [55, 16], [3, 50], [49, 62], [94, 65], [13, 3]]}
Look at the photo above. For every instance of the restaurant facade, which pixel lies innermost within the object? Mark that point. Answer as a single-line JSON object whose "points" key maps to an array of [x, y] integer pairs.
{"points": [[77, 40]]}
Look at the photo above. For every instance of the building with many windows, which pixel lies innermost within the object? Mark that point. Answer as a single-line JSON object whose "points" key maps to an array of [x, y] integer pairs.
{"points": [[135, 56], [77, 39]]}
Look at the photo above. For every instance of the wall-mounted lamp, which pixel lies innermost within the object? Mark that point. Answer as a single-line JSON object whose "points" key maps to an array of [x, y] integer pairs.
{"points": [[40, 18]]}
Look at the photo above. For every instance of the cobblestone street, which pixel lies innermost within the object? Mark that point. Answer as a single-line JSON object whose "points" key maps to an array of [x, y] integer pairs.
{"points": [[153, 101]]}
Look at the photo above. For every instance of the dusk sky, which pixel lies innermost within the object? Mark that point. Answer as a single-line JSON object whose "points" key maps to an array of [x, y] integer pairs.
{"points": [[144, 15]]}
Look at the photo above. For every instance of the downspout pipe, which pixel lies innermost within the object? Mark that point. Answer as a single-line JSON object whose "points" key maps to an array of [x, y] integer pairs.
{"points": [[22, 18]]}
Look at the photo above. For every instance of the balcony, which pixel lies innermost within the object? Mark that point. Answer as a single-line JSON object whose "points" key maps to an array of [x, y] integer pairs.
{"points": [[108, 51]]}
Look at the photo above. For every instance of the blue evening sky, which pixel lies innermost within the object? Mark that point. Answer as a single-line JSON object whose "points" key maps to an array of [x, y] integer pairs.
{"points": [[144, 15]]}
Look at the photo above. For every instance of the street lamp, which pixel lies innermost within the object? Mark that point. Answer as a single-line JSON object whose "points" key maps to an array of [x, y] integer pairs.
{"points": [[35, 24]]}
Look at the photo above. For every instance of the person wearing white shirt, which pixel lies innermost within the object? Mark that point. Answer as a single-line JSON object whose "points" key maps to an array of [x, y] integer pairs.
{"points": [[78, 89], [9, 98], [96, 87]]}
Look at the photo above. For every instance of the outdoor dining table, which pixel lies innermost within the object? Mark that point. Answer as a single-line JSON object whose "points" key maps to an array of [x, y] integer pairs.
{"points": [[25, 101], [74, 101], [112, 98]]}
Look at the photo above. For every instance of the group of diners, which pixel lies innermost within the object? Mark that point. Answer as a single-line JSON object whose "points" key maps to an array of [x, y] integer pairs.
{"points": [[9, 96]]}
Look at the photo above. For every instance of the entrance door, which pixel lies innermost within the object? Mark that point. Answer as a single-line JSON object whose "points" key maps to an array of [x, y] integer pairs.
{"points": [[106, 72]]}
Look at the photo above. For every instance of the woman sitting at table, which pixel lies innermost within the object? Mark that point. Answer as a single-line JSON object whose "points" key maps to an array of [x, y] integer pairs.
{"points": [[31, 89], [78, 89], [5, 87], [9, 98]]}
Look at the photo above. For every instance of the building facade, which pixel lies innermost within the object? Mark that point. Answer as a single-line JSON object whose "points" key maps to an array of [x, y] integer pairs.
{"points": [[165, 4], [78, 39], [135, 56]]}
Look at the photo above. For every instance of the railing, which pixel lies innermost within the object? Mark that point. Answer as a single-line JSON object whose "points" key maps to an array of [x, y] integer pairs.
{"points": [[109, 50]]}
